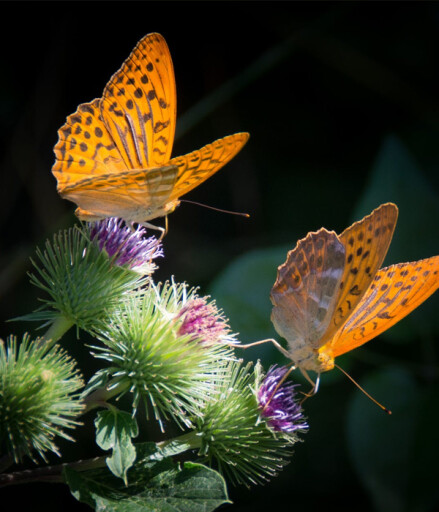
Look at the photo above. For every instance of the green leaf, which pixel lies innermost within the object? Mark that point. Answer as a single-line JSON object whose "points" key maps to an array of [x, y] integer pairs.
{"points": [[114, 430], [381, 446], [160, 487]]}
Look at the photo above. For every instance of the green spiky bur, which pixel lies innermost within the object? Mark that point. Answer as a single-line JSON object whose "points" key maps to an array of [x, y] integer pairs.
{"points": [[82, 282], [233, 435], [171, 373], [38, 396]]}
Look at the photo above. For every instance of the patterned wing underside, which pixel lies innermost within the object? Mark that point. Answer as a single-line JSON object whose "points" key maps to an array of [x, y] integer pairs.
{"points": [[305, 292], [366, 243], [132, 195], [394, 293], [85, 148], [198, 166], [139, 105]]}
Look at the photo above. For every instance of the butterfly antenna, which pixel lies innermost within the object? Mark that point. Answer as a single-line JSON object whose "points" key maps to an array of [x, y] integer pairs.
{"points": [[387, 411], [215, 209]]}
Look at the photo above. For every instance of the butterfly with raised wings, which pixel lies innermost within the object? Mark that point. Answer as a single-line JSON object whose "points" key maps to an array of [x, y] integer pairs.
{"points": [[113, 156], [330, 295]]}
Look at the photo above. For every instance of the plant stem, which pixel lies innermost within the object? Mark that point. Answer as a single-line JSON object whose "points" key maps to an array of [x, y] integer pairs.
{"points": [[99, 397], [59, 327], [53, 474], [50, 473], [189, 441]]}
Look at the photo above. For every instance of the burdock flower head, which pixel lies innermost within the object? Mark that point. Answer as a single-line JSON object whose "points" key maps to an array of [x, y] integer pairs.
{"points": [[202, 320], [235, 438], [88, 272], [126, 246], [277, 402], [168, 368]]}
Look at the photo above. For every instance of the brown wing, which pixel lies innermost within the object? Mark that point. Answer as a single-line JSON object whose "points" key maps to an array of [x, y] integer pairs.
{"points": [[139, 105], [305, 292], [198, 166], [366, 244], [85, 148], [394, 293]]}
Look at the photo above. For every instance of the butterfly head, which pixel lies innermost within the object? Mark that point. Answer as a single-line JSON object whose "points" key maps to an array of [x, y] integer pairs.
{"points": [[157, 211], [316, 360]]}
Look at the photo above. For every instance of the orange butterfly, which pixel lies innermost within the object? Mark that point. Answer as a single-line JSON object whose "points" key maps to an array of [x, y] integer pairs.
{"points": [[329, 296], [113, 156]]}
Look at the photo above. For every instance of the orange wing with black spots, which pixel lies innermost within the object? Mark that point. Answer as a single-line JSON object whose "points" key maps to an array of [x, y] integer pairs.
{"points": [[394, 293], [85, 148], [198, 166], [139, 105], [113, 156], [366, 243]]}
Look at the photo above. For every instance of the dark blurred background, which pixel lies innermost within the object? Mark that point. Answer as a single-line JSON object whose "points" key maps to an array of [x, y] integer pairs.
{"points": [[341, 103]]}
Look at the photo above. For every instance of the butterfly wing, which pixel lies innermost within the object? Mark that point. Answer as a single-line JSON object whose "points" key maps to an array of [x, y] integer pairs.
{"points": [[198, 166], [134, 195], [305, 292], [129, 133], [85, 148], [139, 105], [394, 293], [366, 243]]}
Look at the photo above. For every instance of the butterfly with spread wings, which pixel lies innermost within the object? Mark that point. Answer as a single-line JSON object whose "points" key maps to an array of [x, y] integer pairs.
{"points": [[113, 156], [330, 295]]}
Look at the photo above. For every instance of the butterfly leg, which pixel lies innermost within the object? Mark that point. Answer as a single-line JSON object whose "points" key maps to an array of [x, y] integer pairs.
{"points": [[147, 225], [315, 385], [269, 340]]}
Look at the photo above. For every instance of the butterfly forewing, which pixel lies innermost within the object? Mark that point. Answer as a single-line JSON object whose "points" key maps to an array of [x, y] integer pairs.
{"points": [[85, 148], [196, 167], [366, 244], [305, 292], [395, 292], [139, 105]]}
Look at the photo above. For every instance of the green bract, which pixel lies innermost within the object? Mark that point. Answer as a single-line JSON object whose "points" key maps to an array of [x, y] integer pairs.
{"points": [[38, 396]]}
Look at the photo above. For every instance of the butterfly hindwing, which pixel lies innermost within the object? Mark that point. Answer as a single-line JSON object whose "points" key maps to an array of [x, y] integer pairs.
{"points": [[131, 195], [85, 148], [305, 292]]}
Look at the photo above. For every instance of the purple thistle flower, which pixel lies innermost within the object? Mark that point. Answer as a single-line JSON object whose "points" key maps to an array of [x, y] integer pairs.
{"points": [[278, 404], [204, 321], [127, 247]]}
